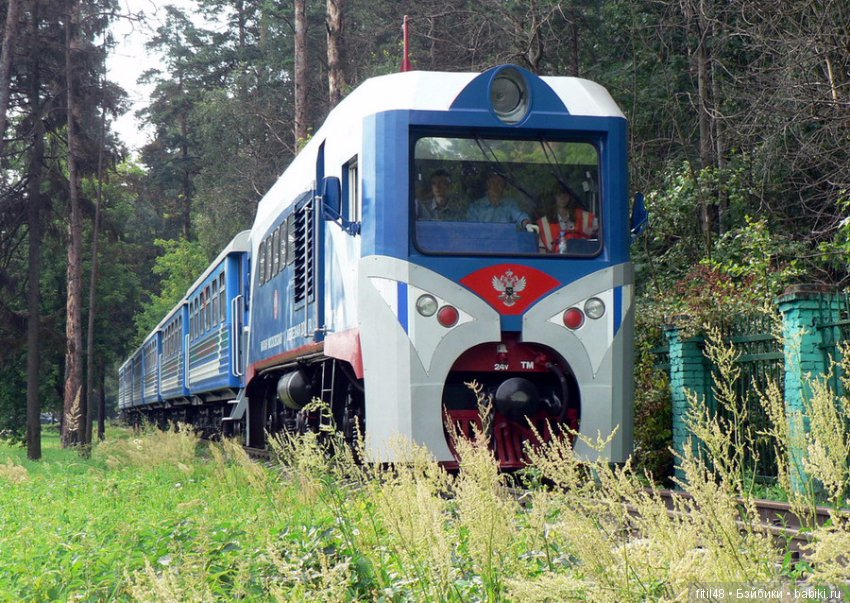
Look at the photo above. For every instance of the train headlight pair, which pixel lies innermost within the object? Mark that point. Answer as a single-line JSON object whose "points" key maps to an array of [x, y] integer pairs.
{"points": [[427, 306], [594, 308]]}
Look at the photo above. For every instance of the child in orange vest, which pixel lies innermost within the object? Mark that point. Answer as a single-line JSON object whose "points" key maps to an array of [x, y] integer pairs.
{"points": [[565, 220]]}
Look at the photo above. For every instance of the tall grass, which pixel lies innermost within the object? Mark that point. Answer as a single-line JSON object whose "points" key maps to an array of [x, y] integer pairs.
{"points": [[161, 516]]}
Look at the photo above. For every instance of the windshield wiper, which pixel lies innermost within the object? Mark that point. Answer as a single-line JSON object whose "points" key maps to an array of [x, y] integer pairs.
{"points": [[501, 169]]}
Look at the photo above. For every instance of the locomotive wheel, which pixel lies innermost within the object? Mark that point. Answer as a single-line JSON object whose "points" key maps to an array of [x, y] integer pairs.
{"points": [[302, 422], [352, 416]]}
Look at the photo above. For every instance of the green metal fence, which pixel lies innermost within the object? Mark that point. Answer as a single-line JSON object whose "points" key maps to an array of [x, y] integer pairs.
{"points": [[761, 362], [833, 327], [662, 358], [803, 342]]}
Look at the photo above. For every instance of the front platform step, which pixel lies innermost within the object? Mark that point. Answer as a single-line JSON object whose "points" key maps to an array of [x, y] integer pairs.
{"points": [[240, 406]]}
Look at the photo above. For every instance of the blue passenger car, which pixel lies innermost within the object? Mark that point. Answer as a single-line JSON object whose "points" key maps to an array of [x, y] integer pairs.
{"points": [[125, 386], [174, 331], [215, 317], [150, 369], [136, 379]]}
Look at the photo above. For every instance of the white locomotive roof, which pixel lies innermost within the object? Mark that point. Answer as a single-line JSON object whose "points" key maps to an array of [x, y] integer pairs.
{"points": [[411, 90]]}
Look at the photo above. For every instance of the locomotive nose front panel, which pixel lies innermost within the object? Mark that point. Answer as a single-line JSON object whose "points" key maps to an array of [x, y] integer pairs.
{"points": [[418, 331], [598, 350], [407, 355]]}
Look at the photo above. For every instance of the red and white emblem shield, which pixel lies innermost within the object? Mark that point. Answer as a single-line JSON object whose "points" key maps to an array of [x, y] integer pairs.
{"points": [[510, 288]]}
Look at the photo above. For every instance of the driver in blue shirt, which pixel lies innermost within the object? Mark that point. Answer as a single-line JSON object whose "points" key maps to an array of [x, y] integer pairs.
{"points": [[495, 207]]}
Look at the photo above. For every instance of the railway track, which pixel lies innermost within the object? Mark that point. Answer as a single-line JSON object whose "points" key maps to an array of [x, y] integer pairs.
{"points": [[775, 518], [260, 454]]}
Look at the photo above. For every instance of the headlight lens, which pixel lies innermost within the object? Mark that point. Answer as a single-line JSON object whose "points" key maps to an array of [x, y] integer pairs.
{"points": [[510, 96], [594, 308], [426, 305]]}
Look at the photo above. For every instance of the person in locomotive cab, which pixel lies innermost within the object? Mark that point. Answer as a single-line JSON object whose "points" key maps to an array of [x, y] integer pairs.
{"points": [[565, 219], [495, 207], [439, 205]]}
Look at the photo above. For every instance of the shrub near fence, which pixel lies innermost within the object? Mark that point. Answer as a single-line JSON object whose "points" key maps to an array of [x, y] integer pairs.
{"points": [[813, 323]]}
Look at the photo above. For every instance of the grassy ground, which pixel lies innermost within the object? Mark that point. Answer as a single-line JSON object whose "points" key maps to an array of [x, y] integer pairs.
{"points": [[112, 526], [162, 517]]}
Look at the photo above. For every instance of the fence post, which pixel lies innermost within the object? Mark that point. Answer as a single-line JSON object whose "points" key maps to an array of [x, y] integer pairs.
{"points": [[804, 308], [690, 374]]}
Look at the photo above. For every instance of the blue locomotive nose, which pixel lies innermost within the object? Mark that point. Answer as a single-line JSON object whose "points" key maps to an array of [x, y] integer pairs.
{"points": [[517, 398]]}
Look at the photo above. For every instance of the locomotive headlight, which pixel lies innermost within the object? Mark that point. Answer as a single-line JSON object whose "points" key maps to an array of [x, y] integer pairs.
{"points": [[510, 96], [594, 308], [426, 305]]}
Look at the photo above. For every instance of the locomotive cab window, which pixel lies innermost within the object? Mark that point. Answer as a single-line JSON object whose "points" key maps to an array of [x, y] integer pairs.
{"points": [[488, 196]]}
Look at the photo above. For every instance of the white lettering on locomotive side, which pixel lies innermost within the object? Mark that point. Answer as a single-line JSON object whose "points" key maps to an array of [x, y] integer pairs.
{"points": [[271, 342], [299, 330]]}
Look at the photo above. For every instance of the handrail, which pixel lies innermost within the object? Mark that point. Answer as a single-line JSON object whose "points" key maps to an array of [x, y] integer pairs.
{"points": [[186, 364], [235, 339]]}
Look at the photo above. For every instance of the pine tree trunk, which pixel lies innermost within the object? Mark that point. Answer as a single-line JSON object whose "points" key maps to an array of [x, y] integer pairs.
{"points": [[90, 363], [719, 153], [74, 403], [336, 77], [574, 39], [101, 405], [300, 72], [701, 56], [187, 177], [13, 11], [34, 199], [33, 305]]}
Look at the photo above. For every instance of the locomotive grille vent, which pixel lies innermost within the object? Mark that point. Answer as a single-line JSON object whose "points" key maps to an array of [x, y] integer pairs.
{"points": [[304, 254]]}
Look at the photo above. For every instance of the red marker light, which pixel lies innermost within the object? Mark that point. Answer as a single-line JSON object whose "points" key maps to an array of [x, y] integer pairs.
{"points": [[573, 318], [448, 316]]}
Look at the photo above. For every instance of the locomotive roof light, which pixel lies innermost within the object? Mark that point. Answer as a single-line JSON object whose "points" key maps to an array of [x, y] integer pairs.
{"points": [[510, 95], [594, 308]]}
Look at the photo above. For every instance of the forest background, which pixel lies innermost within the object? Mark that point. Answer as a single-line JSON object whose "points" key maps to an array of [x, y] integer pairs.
{"points": [[740, 133]]}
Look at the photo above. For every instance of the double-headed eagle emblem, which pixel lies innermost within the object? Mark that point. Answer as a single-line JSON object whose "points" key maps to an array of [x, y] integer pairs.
{"points": [[509, 286]]}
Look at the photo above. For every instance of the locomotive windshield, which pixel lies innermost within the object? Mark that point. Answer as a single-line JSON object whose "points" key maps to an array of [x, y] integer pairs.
{"points": [[506, 197]]}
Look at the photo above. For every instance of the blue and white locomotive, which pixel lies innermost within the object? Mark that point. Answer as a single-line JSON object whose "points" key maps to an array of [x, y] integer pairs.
{"points": [[414, 245]]}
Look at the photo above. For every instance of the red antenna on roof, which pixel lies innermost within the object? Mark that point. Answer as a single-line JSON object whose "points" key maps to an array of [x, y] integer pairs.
{"points": [[405, 29]]}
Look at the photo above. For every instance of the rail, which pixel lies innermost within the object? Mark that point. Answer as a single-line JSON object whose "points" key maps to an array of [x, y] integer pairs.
{"points": [[776, 519]]}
